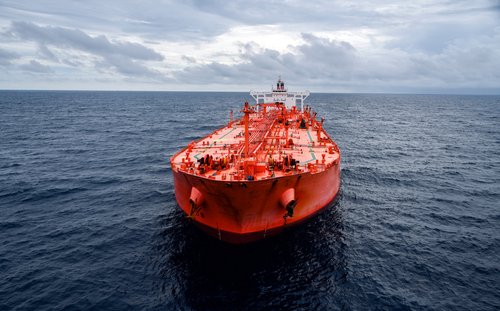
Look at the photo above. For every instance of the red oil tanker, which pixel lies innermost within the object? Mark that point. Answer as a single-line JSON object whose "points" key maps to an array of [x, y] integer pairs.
{"points": [[275, 167]]}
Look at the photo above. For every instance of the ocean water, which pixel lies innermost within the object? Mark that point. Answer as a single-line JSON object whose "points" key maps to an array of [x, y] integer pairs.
{"points": [[89, 221]]}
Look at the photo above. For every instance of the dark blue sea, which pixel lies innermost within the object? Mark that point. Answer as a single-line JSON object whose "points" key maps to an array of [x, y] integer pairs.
{"points": [[89, 221]]}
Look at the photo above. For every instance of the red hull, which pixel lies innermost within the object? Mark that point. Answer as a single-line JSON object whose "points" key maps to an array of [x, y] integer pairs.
{"points": [[245, 211]]}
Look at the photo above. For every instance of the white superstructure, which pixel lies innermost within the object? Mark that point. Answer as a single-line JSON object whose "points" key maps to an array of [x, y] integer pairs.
{"points": [[281, 95]]}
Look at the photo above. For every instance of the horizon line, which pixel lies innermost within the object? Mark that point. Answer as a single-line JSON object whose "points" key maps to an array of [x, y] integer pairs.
{"points": [[212, 91]]}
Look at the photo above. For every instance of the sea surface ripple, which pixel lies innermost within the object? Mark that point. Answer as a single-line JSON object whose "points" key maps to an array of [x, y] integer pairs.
{"points": [[89, 221]]}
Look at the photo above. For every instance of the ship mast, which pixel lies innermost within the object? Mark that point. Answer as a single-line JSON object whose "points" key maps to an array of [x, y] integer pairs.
{"points": [[247, 111]]}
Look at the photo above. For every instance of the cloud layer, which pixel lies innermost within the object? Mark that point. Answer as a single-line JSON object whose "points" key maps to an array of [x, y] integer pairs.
{"points": [[215, 45]]}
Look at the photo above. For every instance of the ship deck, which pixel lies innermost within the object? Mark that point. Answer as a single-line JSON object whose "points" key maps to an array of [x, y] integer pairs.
{"points": [[279, 142]]}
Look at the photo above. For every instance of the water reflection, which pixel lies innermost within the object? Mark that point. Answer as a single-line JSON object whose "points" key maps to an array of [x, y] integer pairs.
{"points": [[303, 268]]}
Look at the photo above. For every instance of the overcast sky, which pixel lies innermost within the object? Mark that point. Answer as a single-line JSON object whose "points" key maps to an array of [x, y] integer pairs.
{"points": [[214, 45]]}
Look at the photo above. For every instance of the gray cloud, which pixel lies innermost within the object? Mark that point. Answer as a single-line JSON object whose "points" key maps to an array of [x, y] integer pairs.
{"points": [[172, 20], [328, 52], [202, 20], [450, 44], [36, 67], [73, 63], [191, 60], [6, 57], [128, 67], [324, 62], [318, 57], [77, 39], [46, 54], [261, 12], [124, 57]]}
